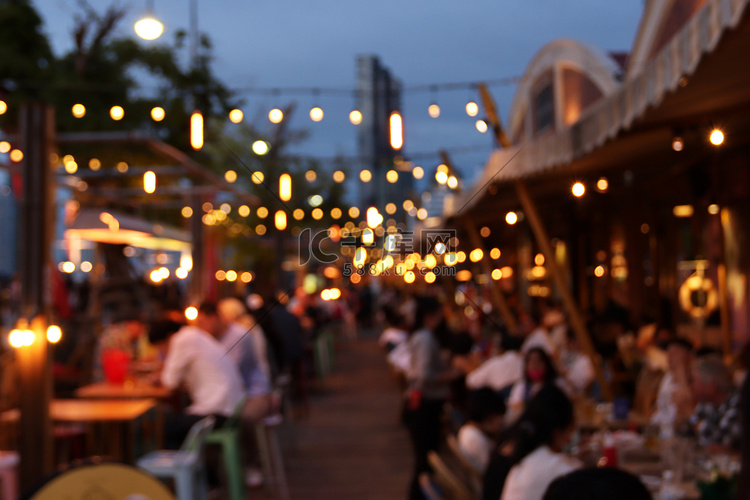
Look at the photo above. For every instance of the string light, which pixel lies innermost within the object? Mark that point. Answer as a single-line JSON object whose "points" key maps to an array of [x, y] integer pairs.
{"points": [[602, 184], [434, 110], [157, 113], [355, 116], [4, 147], [339, 176], [280, 220], [716, 137], [236, 115], [3, 107], [481, 126], [285, 187], [261, 148], [316, 114], [578, 189], [275, 115], [391, 176], [149, 182], [472, 109], [678, 144], [511, 218], [396, 131], [365, 176], [230, 176], [196, 130], [95, 164], [79, 110], [116, 113], [16, 155]]}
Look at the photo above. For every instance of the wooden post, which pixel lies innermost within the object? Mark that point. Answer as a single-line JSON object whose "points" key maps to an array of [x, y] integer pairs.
{"points": [[35, 244], [576, 321], [496, 294]]}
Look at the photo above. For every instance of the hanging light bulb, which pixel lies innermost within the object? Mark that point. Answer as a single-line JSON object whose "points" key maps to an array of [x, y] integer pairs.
{"points": [[481, 126], [275, 115], [678, 144], [79, 110], [148, 27], [355, 117], [157, 114], [149, 182], [396, 131], [316, 114], [472, 109], [716, 137], [433, 109], [196, 130], [279, 220], [285, 187]]}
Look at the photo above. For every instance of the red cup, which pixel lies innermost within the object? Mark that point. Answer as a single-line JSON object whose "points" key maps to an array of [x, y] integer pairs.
{"points": [[116, 366]]}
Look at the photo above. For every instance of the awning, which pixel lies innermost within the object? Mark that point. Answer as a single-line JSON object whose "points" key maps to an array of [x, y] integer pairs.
{"points": [[105, 226], [637, 106]]}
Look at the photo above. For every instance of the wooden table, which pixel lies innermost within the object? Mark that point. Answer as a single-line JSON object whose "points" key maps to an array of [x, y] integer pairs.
{"points": [[110, 421], [137, 389]]}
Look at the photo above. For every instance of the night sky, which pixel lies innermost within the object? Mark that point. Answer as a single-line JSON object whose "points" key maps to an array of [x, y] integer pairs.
{"points": [[314, 44]]}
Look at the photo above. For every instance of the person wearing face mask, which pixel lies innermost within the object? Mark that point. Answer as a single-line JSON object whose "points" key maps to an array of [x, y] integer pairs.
{"points": [[538, 440], [539, 370]]}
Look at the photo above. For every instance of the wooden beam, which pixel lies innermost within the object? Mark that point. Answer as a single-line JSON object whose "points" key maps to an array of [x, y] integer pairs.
{"points": [[496, 294], [490, 113], [574, 316], [35, 253]]}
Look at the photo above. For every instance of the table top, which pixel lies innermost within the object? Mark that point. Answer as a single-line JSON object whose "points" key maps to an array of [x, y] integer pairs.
{"points": [[98, 410], [92, 410], [130, 389]]}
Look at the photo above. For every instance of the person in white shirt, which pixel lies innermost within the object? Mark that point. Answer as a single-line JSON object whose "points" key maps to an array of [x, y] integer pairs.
{"points": [[501, 371], [197, 362], [674, 387], [395, 332], [476, 438], [575, 367], [539, 437]]}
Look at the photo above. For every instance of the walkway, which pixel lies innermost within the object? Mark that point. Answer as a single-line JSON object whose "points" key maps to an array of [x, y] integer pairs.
{"points": [[352, 445]]}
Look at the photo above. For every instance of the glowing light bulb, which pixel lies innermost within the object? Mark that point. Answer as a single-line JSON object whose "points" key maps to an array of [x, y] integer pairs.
{"points": [[472, 109], [396, 131], [316, 114], [717, 137], [275, 115], [196, 130], [578, 189], [355, 117], [79, 110], [148, 28], [149, 182], [511, 218], [481, 126], [434, 110], [157, 113], [191, 313], [54, 334], [236, 116], [116, 113]]}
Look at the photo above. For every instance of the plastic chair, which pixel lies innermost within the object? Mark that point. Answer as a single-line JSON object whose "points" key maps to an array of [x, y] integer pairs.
{"points": [[474, 476], [9, 474], [228, 437], [448, 479], [186, 465], [270, 453]]}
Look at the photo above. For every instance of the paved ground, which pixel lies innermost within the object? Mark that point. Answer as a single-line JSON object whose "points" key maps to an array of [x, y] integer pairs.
{"points": [[351, 446]]}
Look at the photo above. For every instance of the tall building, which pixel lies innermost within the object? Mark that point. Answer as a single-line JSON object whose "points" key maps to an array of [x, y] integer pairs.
{"points": [[379, 95]]}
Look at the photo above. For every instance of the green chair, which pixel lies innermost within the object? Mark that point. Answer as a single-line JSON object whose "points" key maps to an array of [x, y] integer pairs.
{"points": [[228, 437]]}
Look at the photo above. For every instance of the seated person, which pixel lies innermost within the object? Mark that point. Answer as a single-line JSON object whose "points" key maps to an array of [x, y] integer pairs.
{"points": [[597, 483], [538, 336], [476, 438], [195, 360], [121, 336], [539, 437], [575, 366], [539, 371], [674, 389], [716, 420], [501, 371], [395, 332]]}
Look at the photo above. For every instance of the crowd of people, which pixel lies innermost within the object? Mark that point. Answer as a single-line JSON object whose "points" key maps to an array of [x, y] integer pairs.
{"points": [[510, 399], [235, 357]]}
